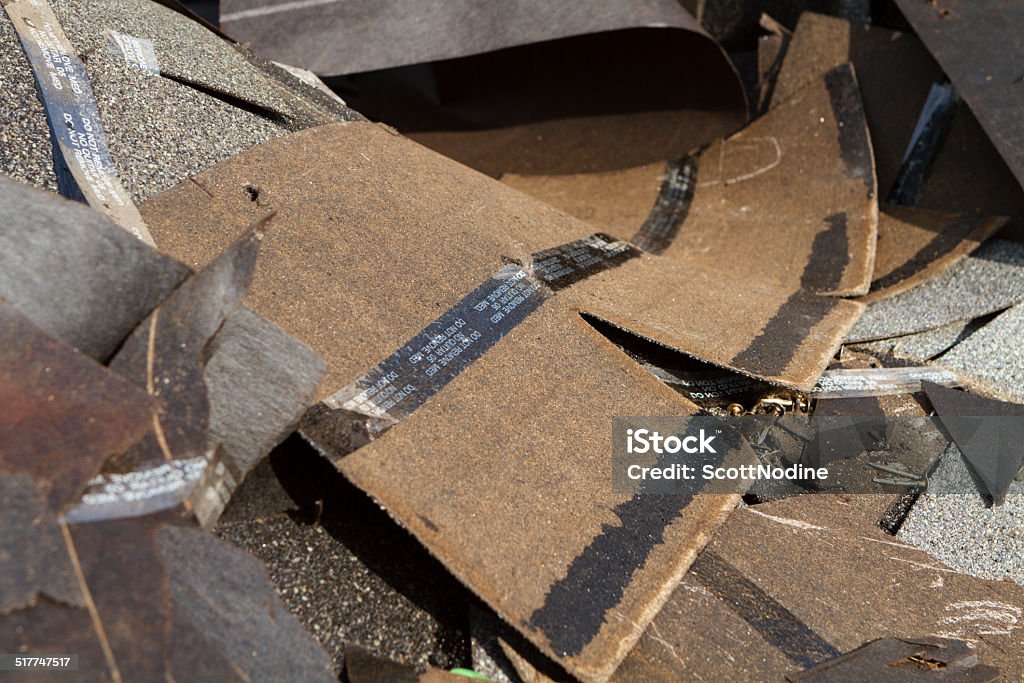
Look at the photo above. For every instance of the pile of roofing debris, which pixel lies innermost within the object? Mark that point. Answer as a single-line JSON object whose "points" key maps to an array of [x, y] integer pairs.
{"points": [[304, 379]]}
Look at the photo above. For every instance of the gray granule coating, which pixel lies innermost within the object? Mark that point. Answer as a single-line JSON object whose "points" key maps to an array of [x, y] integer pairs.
{"points": [[343, 566], [959, 530], [94, 289], [926, 345], [990, 279], [259, 381], [486, 664], [185, 49], [159, 131], [992, 357], [332, 592], [26, 153]]}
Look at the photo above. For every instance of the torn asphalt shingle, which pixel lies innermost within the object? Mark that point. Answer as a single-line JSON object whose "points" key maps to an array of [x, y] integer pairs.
{"points": [[74, 272], [896, 73], [518, 90], [893, 69], [260, 382], [990, 279], [102, 590], [172, 602], [954, 523], [54, 400], [773, 323], [159, 129], [923, 346], [824, 235], [761, 628], [167, 355], [915, 245], [161, 132], [100, 282], [991, 356]]}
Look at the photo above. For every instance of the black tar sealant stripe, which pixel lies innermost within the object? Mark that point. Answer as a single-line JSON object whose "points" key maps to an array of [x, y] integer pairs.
{"points": [[772, 350], [777, 625], [670, 208], [937, 247], [73, 115], [854, 146], [577, 605]]}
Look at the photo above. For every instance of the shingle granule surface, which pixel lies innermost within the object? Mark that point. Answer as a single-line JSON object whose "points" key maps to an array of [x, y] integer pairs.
{"points": [[954, 524], [990, 279]]}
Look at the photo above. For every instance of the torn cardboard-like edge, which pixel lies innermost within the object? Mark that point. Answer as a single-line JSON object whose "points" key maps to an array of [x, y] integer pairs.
{"points": [[819, 548], [915, 245], [835, 214], [771, 51], [894, 72]]}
